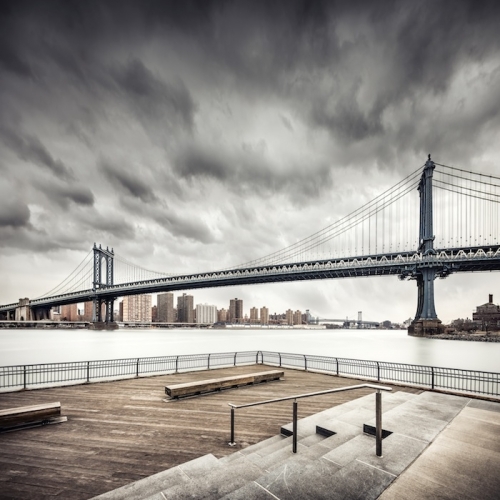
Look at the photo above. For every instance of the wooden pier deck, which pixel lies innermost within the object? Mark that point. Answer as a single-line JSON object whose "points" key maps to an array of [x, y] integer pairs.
{"points": [[121, 431]]}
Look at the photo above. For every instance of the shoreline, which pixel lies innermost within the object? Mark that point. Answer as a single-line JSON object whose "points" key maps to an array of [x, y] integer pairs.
{"points": [[469, 337]]}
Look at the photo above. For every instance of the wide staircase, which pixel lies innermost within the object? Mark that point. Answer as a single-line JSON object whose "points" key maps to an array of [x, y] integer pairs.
{"points": [[335, 458]]}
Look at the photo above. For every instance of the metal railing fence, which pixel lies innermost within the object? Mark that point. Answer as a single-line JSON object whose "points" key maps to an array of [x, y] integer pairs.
{"points": [[13, 378], [378, 411]]}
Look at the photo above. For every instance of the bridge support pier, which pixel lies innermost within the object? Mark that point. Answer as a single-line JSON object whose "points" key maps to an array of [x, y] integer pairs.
{"points": [[426, 321], [23, 310]]}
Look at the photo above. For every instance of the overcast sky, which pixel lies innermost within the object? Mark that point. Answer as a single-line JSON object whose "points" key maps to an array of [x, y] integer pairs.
{"points": [[192, 136]]}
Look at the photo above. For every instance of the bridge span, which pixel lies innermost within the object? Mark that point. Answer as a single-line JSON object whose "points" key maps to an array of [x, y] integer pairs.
{"points": [[368, 227]]}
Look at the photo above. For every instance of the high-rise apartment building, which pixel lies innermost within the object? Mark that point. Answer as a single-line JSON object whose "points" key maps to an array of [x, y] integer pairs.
{"points": [[185, 309], [165, 304], [254, 315], [222, 316], [264, 316], [297, 317], [289, 317], [137, 308], [206, 314], [236, 310]]}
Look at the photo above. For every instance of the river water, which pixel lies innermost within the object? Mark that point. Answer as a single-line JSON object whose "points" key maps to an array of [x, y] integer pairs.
{"points": [[33, 346]]}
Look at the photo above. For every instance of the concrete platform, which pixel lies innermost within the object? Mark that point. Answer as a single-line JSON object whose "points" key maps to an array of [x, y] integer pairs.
{"points": [[441, 446]]}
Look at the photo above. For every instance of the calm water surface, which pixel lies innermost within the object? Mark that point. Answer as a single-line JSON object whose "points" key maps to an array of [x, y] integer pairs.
{"points": [[47, 346]]}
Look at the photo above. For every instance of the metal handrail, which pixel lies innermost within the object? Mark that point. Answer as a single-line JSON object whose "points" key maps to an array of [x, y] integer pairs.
{"points": [[378, 411]]}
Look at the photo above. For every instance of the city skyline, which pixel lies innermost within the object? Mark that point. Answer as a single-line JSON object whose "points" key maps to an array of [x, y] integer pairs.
{"points": [[203, 135]]}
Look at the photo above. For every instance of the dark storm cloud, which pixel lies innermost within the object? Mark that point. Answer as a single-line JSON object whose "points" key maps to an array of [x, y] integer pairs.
{"points": [[63, 194], [15, 214], [168, 102], [31, 149], [249, 171], [129, 180]]}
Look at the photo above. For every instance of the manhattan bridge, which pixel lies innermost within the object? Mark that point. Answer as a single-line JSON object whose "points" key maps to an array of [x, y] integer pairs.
{"points": [[437, 221]]}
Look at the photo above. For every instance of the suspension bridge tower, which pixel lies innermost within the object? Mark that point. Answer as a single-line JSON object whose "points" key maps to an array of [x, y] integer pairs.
{"points": [[426, 321], [102, 256]]}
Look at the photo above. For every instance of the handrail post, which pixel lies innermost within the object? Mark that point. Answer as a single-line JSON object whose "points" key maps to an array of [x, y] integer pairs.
{"points": [[432, 377], [232, 443], [24, 376], [137, 368], [305, 363], [378, 372], [294, 448], [177, 364], [208, 368], [378, 419], [88, 372], [235, 354]]}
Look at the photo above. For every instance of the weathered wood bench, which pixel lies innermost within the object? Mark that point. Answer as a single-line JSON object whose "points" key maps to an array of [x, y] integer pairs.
{"points": [[30, 416], [217, 384]]}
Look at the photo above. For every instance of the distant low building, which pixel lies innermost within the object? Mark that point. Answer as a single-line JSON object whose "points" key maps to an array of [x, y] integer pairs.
{"points": [[487, 316]]}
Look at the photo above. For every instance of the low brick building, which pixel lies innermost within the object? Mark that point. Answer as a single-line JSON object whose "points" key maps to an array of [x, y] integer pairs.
{"points": [[487, 316]]}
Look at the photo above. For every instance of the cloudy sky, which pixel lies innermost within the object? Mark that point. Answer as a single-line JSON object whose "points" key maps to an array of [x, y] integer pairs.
{"points": [[196, 135]]}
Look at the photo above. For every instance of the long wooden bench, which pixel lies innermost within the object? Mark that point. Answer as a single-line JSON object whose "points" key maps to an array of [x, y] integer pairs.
{"points": [[30, 416], [217, 384]]}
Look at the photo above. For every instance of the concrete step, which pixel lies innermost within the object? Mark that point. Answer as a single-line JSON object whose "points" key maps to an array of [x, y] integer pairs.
{"points": [[148, 486], [214, 484]]}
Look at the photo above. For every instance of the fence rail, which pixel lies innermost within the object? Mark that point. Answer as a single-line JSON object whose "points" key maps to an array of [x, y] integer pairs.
{"points": [[13, 378]]}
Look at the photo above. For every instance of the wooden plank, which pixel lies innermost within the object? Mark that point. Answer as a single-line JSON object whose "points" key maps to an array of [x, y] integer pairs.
{"points": [[123, 430], [210, 385]]}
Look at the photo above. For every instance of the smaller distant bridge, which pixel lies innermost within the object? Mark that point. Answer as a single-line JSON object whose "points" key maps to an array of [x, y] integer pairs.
{"points": [[347, 323]]}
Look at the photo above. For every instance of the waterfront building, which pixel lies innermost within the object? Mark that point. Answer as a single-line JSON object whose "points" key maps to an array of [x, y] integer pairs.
{"points": [[137, 308], [264, 316], [222, 315], [69, 312], [206, 314], [289, 317], [88, 311], [297, 317], [185, 309], [254, 315], [487, 316], [236, 310], [165, 304]]}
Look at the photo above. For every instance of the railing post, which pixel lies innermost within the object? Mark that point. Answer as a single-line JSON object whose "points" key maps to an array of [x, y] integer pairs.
{"points": [[208, 362], [232, 443], [88, 372], [280, 358], [137, 368], [177, 364], [378, 419], [305, 362], [235, 354], [432, 377], [294, 448], [24, 377], [337, 361], [378, 372]]}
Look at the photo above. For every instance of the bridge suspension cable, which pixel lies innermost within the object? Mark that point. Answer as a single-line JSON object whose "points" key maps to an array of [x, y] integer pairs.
{"points": [[380, 225], [80, 279], [127, 272], [467, 207]]}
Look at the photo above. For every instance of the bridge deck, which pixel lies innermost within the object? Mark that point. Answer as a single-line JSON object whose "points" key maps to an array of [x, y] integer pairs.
{"points": [[118, 432]]}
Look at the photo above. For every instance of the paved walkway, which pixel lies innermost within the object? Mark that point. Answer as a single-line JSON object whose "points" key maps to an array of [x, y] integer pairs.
{"points": [[462, 463]]}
